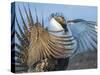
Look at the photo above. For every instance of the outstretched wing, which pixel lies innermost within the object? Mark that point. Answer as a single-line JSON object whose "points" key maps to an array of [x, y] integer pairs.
{"points": [[85, 33]]}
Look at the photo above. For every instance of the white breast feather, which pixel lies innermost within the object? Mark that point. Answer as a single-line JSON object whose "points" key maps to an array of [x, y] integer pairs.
{"points": [[54, 25]]}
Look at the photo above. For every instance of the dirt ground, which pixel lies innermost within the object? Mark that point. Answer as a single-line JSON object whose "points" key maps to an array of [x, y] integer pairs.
{"points": [[86, 60]]}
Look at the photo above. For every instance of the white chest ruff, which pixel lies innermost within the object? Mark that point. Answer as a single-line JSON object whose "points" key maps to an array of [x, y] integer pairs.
{"points": [[54, 25]]}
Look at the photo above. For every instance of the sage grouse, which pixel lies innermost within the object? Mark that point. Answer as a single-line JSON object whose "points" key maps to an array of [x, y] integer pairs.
{"points": [[39, 48]]}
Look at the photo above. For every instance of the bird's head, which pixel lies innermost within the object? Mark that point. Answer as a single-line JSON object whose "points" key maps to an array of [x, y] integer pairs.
{"points": [[59, 21]]}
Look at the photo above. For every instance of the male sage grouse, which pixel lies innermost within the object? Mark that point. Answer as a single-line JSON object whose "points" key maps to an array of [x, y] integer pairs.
{"points": [[39, 48]]}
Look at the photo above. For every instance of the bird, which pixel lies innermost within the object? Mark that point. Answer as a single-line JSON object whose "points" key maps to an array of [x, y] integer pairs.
{"points": [[41, 49]]}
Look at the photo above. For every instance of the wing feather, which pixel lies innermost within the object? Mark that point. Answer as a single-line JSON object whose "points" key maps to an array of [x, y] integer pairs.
{"points": [[45, 45], [85, 32]]}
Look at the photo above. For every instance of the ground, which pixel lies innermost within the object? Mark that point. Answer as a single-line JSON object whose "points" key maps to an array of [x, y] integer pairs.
{"points": [[86, 60]]}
